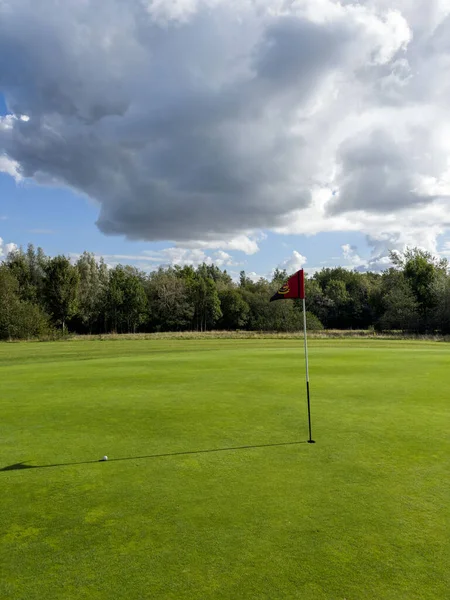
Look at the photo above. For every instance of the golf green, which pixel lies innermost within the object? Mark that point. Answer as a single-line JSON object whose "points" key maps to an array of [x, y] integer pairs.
{"points": [[210, 491]]}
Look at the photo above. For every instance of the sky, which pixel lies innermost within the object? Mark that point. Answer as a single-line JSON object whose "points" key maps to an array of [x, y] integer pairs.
{"points": [[251, 134]]}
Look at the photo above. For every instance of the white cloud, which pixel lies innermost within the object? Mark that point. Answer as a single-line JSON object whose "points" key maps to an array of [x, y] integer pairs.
{"points": [[150, 260], [377, 262], [351, 256], [295, 262], [10, 167], [394, 230], [181, 256], [223, 259], [243, 243], [5, 249], [254, 276], [249, 116]]}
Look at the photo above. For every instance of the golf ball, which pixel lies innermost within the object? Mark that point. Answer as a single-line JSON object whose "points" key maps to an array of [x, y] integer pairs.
{"points": [[105, 458]]}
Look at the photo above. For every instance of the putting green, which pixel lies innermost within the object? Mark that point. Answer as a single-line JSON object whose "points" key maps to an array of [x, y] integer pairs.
{"points": [[362, 514]]}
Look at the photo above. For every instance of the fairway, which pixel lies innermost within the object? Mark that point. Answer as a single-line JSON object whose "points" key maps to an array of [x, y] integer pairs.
{"points": [[363, 514]]}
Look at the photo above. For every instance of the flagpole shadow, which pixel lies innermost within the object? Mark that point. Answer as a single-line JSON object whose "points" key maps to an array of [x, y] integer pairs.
{"points": [[23, 465]]}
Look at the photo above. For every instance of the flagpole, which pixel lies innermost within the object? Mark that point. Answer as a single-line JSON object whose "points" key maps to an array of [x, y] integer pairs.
{"points": [[310, 441]]}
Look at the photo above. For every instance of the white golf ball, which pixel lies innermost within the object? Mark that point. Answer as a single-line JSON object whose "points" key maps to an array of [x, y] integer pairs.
{"points": [[105, 458]]}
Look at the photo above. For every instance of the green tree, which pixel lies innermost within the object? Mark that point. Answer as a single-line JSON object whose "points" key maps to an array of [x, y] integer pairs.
{"points": [[125, 299], [246, 283], [61, 289], [235, 310], [93, 283], [206, 302], [135, 300], [9, 302], [316, 300], [339, 299], [282, 315], [18, 319], [29, 270], [279, 277], [441, 313], [31, 321], [422, 270], [215, 273], [401, 309], [114, 298], [170, 305]]}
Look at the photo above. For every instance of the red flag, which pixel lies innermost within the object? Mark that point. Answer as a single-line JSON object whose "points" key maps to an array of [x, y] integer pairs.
{"points": [[293, 288]]}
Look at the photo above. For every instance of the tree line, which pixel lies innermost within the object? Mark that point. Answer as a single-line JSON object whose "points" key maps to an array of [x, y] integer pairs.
{"points": [[41, 294]]}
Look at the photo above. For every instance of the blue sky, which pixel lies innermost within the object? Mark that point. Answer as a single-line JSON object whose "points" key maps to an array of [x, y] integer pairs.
{"points": [[248, 137]]}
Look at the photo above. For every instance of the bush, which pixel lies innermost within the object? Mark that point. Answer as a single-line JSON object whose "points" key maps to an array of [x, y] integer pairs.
{"points": [[32, 321], [313, 323], [24, 321]]}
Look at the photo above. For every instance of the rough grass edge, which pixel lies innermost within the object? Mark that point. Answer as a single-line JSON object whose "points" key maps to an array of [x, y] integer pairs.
{"points": [[244, 335]]}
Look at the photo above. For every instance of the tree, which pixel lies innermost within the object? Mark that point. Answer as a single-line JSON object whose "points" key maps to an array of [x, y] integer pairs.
{"points": [[414, 295], [206, 302], [339, 298], [316, 300], [401, 310], [244, 281], [61, 289], [283, 315], [18, 318], [29, 270], [135, 300], [170, 305], [213, 272], [440, 316], [422, 270], [279, 277], [235, 310], [93, 282], [31, 321], [9, 302], [114, 296], [125, 299]]}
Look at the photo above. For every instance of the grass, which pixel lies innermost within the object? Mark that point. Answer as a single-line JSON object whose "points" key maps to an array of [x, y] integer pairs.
{"points": [[362, 514], [243, 335]]}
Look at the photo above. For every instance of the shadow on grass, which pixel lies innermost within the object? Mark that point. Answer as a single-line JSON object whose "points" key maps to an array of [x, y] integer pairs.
{"points": [[23, 465]]}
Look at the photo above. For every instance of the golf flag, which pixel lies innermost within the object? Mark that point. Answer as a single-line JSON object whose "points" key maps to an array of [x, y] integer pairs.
{"points": [[293, 288]]}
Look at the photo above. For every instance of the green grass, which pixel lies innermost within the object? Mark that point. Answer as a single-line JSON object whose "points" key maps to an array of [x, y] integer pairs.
{"points": [[362, 514]]}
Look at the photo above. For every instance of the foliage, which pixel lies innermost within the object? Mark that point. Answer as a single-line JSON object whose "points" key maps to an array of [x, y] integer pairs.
{"points": [[90, 297], [125, 300], [422, 271], [19, 319], [61, 289], [93, 284], [401, 309], [29, 270], [235, 310], [170, 307]]}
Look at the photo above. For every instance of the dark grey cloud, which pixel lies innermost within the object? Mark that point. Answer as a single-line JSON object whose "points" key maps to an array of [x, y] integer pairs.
{"points": [[203, 119], [376, 175], [159, 130]]}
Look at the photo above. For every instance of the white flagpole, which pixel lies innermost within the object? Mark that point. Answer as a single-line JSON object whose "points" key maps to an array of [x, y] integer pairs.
{"points": [[310, 441]]}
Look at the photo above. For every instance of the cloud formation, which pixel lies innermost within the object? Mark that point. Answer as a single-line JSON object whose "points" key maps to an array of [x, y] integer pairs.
{"points": [[204, 121], [295, 262], [150, 260], [5, 249]]}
